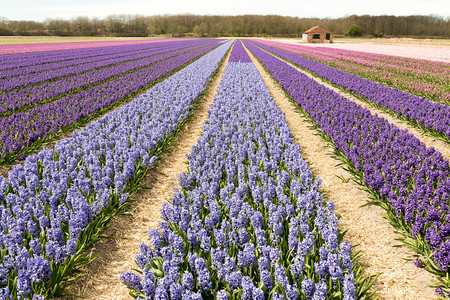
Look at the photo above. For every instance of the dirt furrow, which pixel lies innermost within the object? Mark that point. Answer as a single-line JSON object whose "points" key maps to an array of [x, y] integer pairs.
{"points": [[366, 226], [117, 254]]}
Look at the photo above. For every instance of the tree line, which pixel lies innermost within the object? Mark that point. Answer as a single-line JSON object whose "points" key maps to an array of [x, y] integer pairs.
{"points": [[186, 25]]}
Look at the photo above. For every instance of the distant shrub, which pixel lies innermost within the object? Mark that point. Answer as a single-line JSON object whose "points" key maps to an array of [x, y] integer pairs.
{"points": [[378, 35], [354, 30]]}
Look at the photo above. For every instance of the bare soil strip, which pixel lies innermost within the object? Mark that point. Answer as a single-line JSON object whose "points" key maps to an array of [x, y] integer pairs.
{"points": [[125, 232], [366, 226]]}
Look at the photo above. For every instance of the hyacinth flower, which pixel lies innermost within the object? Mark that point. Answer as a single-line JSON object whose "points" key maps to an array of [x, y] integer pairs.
{"points": [[25, 131], [59, 201], [226, 234], [429, 116], [410, 181]]}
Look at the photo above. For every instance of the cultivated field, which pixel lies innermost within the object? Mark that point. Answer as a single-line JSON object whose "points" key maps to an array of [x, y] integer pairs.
{"points": [[427, 49], [10, 40], [224, 169]]}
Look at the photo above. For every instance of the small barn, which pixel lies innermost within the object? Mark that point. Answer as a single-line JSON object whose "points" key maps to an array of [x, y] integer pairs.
{"points": [[317, 34]]}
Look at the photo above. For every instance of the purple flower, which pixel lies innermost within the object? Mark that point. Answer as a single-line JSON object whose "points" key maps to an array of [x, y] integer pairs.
{"points": [[222, 295], [247, 256], [132, 280], [38, 268], [418, 263], [188, 280], [258, 294], [175, 291], [321, 291], [349, 287], [161, 293], [24, 287], [308, 288], [280, 276], [266, 279], [234, 280]]}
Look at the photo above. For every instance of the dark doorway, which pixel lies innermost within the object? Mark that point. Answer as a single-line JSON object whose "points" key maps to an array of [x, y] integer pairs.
{"points": [[327, 36]]}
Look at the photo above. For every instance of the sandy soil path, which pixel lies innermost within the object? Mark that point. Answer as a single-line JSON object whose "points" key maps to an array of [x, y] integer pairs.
{"points": [[118, 253], [366, 226]]}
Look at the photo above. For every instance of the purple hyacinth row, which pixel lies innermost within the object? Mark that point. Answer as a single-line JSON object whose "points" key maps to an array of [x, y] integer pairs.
{"points": [[239, 54], [6, 50], [7, 84], [413, 179], [51, 205], [249, 222], [83, 57], [417, 76], [34, 94], [420, 110], [22, 129], [19, 60]]}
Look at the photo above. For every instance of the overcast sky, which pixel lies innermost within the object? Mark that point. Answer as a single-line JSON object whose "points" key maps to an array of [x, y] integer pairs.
{"points": [[40, 9]]}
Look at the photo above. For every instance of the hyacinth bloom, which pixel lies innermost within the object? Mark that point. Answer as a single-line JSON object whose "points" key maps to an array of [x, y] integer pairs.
{"points": [[412, 181], [430, 79], [20, 130], [420, 111], [248, 222], [56, 204]]}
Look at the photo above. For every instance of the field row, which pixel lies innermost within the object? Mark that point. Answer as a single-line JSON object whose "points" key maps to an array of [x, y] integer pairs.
{"points": [[10, 49], [63, 198], [430, 79], [250, 220], [77, 99]]}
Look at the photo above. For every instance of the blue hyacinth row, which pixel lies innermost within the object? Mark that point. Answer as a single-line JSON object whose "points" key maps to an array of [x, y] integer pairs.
{"points": [[410, 181], [56, 204], [248, 222], [430, 116]]}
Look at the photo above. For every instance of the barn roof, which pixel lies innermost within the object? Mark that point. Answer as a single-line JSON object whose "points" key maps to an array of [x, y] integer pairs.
{"points": [[316, 29]]}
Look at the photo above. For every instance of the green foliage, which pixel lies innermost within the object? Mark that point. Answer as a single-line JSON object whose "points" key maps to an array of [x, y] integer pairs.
{"points": [[264, 30], [5, 31], [354, 30], [378, 35]]}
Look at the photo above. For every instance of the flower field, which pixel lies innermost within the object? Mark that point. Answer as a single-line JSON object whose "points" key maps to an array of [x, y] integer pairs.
{"points": [[428, 115], [47, 47], [94, 91], [248, 219], [423, 78]]}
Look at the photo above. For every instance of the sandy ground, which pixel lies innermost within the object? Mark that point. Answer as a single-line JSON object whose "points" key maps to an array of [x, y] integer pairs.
{"points": [[125, 232], [436, 50], [366, 226]]}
